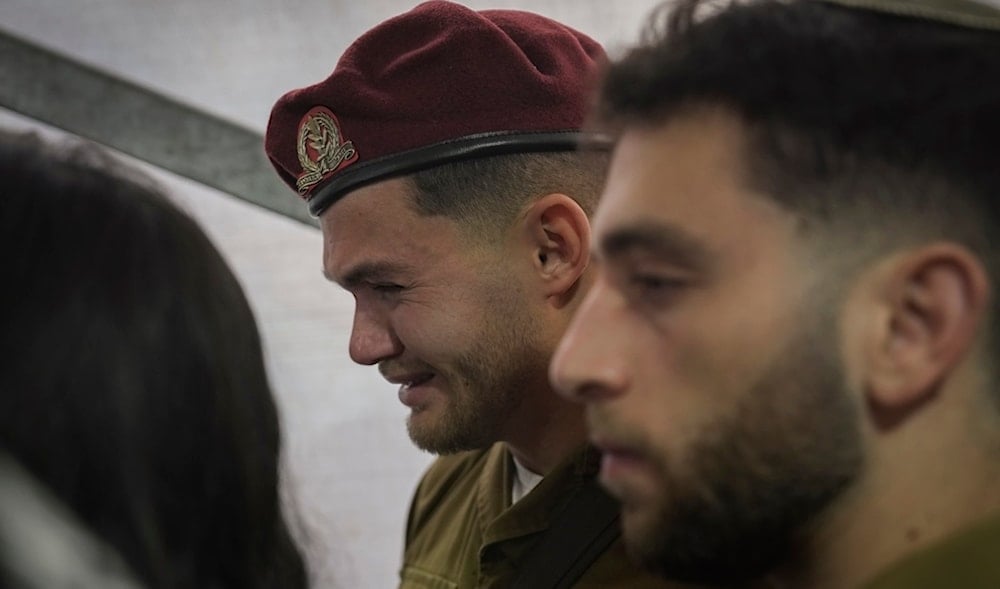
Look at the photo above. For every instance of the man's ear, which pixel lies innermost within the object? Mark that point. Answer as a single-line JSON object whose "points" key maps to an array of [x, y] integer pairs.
{"points": [[934, 301], [557, 231]]}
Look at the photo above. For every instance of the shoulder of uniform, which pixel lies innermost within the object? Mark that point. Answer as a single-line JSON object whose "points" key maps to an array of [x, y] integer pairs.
{"points": [[448, 482], [447, 471]]}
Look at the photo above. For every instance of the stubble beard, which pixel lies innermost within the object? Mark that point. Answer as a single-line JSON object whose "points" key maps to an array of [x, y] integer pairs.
{"points": [[487, 385], [733, 505]]}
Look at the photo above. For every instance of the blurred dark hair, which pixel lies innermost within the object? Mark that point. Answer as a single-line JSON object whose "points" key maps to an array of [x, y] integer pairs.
{"points": [[133, 379], [876, 130]]}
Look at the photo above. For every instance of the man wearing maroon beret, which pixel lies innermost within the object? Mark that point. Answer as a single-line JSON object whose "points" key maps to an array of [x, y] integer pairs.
{"points": [[444, 158]]}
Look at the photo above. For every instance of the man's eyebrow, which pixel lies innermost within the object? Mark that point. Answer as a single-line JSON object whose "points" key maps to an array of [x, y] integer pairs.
{"points": [[368, 272], [663, 240]]}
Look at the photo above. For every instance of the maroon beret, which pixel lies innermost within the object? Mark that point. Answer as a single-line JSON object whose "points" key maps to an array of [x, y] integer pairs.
{"points": [[438, 84]]}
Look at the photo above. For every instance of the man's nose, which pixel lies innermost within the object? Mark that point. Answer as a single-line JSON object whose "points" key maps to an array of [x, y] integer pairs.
{"points": [[589, 364], [372, 337]]}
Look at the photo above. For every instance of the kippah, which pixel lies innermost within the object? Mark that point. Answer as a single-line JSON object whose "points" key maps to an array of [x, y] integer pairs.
{"points": [[966, 13], [438, 84]]}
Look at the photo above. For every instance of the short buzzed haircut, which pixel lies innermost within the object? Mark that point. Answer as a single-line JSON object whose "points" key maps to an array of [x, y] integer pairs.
{"points": [[486, 195]]}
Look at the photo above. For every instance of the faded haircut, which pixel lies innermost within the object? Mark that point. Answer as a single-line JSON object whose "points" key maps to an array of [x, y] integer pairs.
{"points": [[875, 131], [486, 195]]}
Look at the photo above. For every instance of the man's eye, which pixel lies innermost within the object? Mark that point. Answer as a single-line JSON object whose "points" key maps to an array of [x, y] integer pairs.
{"points": [[654, 289], [653, 282], [386, 287]]}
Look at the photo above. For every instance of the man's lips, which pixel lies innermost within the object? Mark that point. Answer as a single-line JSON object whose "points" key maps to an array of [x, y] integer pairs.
{"points": [[619, 459], [412, 391], [409, 379], [610, 444], [620, 451]]}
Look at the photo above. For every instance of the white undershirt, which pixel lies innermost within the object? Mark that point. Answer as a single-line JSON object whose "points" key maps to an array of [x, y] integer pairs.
{"points": [[524, 482]]}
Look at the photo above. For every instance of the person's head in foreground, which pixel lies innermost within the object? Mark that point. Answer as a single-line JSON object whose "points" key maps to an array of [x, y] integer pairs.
{"points": [[441, 157], [133, 381], [789, 354]]}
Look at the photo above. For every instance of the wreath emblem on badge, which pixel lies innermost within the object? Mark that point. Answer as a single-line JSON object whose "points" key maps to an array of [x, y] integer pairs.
{"points": [[321, 148]]}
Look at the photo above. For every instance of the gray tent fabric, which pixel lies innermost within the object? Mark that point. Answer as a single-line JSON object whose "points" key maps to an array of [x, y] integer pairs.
{"points": [[166, 133]]}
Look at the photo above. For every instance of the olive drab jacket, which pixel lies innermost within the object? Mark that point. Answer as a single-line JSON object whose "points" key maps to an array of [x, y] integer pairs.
{"points": [[969, 559], [462, 532]]}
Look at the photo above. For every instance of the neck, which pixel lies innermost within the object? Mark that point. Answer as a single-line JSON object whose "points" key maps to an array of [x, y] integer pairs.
{"points": [[546, 431], [919, 487]]}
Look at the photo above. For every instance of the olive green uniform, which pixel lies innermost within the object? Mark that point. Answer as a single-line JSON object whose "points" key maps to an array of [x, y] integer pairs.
{"points": [[967, 560], [463, 533]]}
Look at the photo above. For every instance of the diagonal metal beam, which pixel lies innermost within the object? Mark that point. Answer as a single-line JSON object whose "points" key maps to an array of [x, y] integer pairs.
{"points": [[54, 89]]}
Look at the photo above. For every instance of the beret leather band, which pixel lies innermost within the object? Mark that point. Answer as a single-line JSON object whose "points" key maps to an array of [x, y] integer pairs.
{"points": [[455, 150]]}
